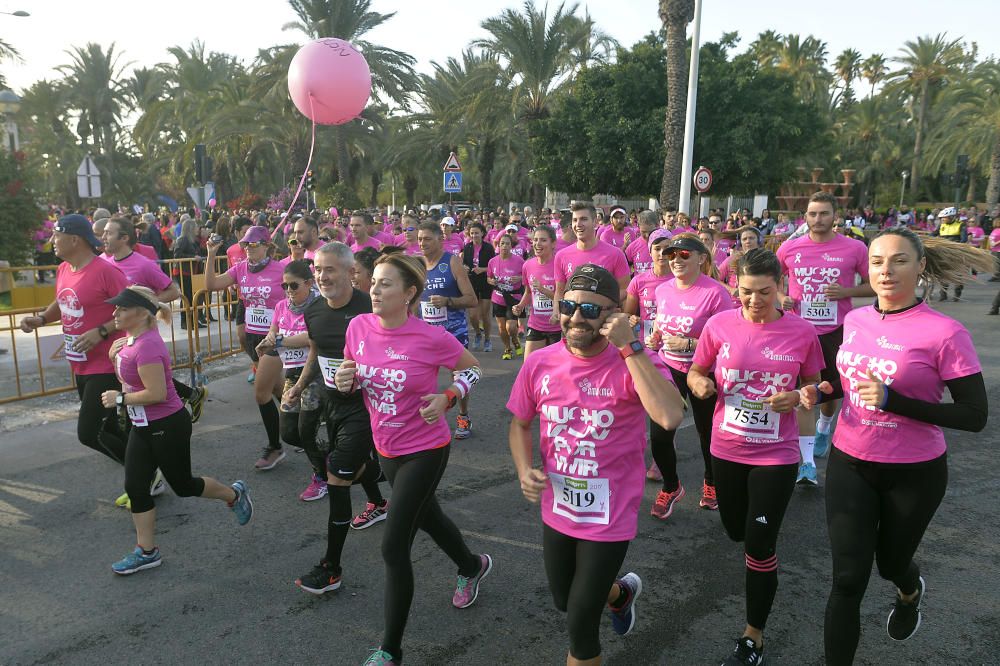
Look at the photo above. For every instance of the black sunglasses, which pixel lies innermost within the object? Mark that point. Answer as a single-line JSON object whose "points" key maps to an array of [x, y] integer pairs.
{"points": [[292, 241], [410, 229], [325, 239], [294, 286], [588, 310]]}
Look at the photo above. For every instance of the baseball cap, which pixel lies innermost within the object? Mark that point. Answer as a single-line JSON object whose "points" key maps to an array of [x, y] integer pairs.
{"points": [[78, 225], [596, 279], [659, 234], [511, 227], [450, 221], [688, 243], [615, 211], [128, 298], [256, 235]]}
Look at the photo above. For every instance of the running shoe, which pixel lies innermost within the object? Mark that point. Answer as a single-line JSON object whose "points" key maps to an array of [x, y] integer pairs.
{"points": [[477, 341], [137, 561], [268, 459], [242, 506], [158, 486], [623, 618], [904, 618], [252, 377], [746, 654], [708, 500], [821, 444], [463, 426], [371, 515], [197, 402], [467, 589], [653, 473], [807, 475], [664, 504], [488, 346], [123, 501], [380, 658], [315, 490], [506, 355], [518, 349], [319, 580]]}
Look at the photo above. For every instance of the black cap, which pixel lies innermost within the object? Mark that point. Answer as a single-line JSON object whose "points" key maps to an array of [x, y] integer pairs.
{"points": [[131, 299], [688, 243], [78, 225], [591, 277]]}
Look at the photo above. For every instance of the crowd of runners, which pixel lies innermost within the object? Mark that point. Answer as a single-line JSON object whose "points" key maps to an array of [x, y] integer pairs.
{"points": [[821, 348]]}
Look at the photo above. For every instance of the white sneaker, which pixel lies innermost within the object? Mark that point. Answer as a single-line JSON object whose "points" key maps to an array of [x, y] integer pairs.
{"points": [[159, 485]]}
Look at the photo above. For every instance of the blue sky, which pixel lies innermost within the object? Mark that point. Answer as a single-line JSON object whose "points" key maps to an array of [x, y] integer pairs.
{"points": [[436, 29]]}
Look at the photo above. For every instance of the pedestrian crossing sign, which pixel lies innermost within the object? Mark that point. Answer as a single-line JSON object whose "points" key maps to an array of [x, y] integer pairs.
{"points": [[453, 181]]}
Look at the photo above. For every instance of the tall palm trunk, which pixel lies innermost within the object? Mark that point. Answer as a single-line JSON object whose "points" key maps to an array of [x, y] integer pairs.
{"points": [[487, 159], [410, 184], [970, 194], [993, 187], [675, 15], [376, 180], [918, 143]]}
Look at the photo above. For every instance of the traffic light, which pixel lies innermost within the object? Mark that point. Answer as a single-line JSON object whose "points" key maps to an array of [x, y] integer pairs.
{"points": [[310, 181]]}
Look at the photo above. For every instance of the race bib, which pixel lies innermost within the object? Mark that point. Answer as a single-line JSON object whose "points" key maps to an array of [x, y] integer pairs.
{"points": [[647, 329], [581, 500], [819, 312], [259, 317], [137, 415], [540, 304], [293, 358], [328, 366], [750, 418], [432, 314], [72, 354]]}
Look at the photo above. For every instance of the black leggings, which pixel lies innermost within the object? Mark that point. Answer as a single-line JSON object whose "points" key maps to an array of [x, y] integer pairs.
{"points": [[580, 575], [661, 441], [414, 479], [874, 511], [165, 444], [300, 429], [97, 426], [752, 503]]}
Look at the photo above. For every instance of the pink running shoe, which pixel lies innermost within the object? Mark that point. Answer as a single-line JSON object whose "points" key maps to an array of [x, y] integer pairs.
{"points": [[371, 515], [653, 473], [315, 490], [467, 589]]}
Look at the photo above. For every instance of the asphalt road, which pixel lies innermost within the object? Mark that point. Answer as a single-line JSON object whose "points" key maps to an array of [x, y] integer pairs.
{"points": [[225, 594]]}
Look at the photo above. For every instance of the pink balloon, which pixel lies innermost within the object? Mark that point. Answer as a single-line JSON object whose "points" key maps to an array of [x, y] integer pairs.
{"points": [[211, 202], [329, 81], [333, 211]]}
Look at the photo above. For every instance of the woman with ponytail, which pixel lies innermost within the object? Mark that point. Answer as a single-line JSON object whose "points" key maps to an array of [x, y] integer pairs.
{"points": [[160, 437]]}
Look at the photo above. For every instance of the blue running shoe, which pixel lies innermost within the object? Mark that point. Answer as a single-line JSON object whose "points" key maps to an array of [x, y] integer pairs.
{"points": [[821, 444], [242, 506], [380, 658], [623, 619], [807, 475], [137, 561]]}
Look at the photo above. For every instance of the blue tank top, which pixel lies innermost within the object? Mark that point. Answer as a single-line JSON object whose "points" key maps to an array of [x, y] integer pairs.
{"points": [[441, 282]]}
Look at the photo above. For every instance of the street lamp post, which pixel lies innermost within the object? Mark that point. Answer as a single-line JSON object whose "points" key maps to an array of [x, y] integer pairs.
{"points": [[19, 13], [9, 105], [902, 189]]}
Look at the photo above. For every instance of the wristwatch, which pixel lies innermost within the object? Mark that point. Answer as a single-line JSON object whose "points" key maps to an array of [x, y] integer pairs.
{"points": [[120, 400], [103, 331], [634, 347], [278, 341]]}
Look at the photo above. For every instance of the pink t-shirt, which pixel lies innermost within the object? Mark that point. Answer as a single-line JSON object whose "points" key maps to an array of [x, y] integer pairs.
{"points": [[236, 254], [728, 277], [753, 362], [914, 352], [638, 255], [81, 297], [492, 234], [810, 265], [995, 240], [396, 368], [643, 288], [593, 434], [382, 237], [370, 242], [260, 293], [146, 349], [684, 312], [541, 305], [507, 273], [620, 239], [413, 250], [290, 324], [141, 271], [602, 254], [975, 235], [147, 251], [453, 244], [561, 244]]}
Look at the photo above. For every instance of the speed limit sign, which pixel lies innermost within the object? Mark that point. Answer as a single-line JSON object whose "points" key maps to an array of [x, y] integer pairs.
{"points": [[702, 179]]}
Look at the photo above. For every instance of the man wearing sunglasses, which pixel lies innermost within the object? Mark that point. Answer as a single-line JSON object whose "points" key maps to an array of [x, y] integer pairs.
{"points": [[592, 395], [589, 250]]}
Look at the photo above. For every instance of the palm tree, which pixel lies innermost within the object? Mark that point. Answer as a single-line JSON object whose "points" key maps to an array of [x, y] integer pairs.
{"points": [[393, 76], [926, 65], [873, 70], [847, 66], [675, 15], [765, 48], [805, 61], [593, 46], [7, 52]]}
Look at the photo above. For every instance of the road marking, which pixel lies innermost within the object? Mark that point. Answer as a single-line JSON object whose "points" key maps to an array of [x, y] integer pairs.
{"points": [[496, 539]]}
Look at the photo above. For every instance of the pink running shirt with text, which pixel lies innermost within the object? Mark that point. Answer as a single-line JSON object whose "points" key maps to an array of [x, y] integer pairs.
{"points": [[260, 292], [602, 254], [146, 349], [541, 305], [684, 312], [81, 297]]}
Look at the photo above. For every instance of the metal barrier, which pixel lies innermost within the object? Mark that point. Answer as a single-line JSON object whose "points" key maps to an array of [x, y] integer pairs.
{"points": [[46, 375]]}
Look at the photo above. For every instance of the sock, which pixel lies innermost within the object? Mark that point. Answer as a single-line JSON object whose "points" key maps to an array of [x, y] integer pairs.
{"points": [[621, 599], [149, 552], [824, 423], [269, 415], [369, 481], [806, 449], [337, 525]]}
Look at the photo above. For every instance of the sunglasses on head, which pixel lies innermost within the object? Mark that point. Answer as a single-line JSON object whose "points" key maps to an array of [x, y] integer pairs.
{"points": [[588, 310], [294, 286], [672, 252]]}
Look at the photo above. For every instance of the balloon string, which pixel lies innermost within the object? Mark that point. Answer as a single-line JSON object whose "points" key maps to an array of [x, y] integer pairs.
{"points": [[312, 146]]}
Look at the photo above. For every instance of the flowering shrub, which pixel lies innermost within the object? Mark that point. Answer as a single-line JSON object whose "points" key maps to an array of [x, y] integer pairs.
{"points": [[20, 218]]}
